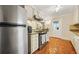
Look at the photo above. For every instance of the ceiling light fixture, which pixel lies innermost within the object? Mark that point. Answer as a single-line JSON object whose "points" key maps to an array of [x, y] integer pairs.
{"points": [[58, 8]]}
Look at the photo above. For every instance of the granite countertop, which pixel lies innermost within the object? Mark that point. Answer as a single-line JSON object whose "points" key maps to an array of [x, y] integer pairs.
{"points": [[41, 32]]}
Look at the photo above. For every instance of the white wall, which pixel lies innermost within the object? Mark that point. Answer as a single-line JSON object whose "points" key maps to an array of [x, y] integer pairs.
{"points": [[65, 21]]}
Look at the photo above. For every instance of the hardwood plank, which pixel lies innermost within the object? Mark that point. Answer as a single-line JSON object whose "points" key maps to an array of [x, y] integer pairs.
{"points": [[57, 46]]}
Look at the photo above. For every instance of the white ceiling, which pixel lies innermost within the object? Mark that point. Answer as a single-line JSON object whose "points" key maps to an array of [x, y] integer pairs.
{"points": [[43, 7], [51, 9]]}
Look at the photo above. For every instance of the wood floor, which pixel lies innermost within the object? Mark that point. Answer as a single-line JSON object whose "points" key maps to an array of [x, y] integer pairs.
{"points": [[56, 46]]}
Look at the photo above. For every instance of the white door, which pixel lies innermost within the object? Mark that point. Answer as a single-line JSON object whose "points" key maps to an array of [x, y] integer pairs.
{"points": [[57, 28]]}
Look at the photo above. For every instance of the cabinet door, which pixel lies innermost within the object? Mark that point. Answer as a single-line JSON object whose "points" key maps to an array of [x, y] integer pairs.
{"points": [[76, 43], [34, 42]]}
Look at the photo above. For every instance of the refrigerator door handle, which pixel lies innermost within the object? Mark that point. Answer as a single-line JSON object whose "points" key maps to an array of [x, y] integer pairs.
{"points": [[7, 24]]}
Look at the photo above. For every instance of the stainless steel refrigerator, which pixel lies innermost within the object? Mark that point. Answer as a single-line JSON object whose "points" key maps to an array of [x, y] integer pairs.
{"points": [[13, 30]]}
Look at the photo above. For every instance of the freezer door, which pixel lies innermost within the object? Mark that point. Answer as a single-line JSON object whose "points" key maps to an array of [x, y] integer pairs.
{"points": [[13, 14], [1, 14]]}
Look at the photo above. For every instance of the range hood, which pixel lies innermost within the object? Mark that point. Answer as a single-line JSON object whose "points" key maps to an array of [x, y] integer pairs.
{"points": [[38, 19], [75, 28]]}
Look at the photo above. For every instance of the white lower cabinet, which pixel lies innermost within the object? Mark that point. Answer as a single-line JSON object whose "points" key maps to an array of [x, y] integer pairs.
{"points": [[76, 43], [34, 42]]}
